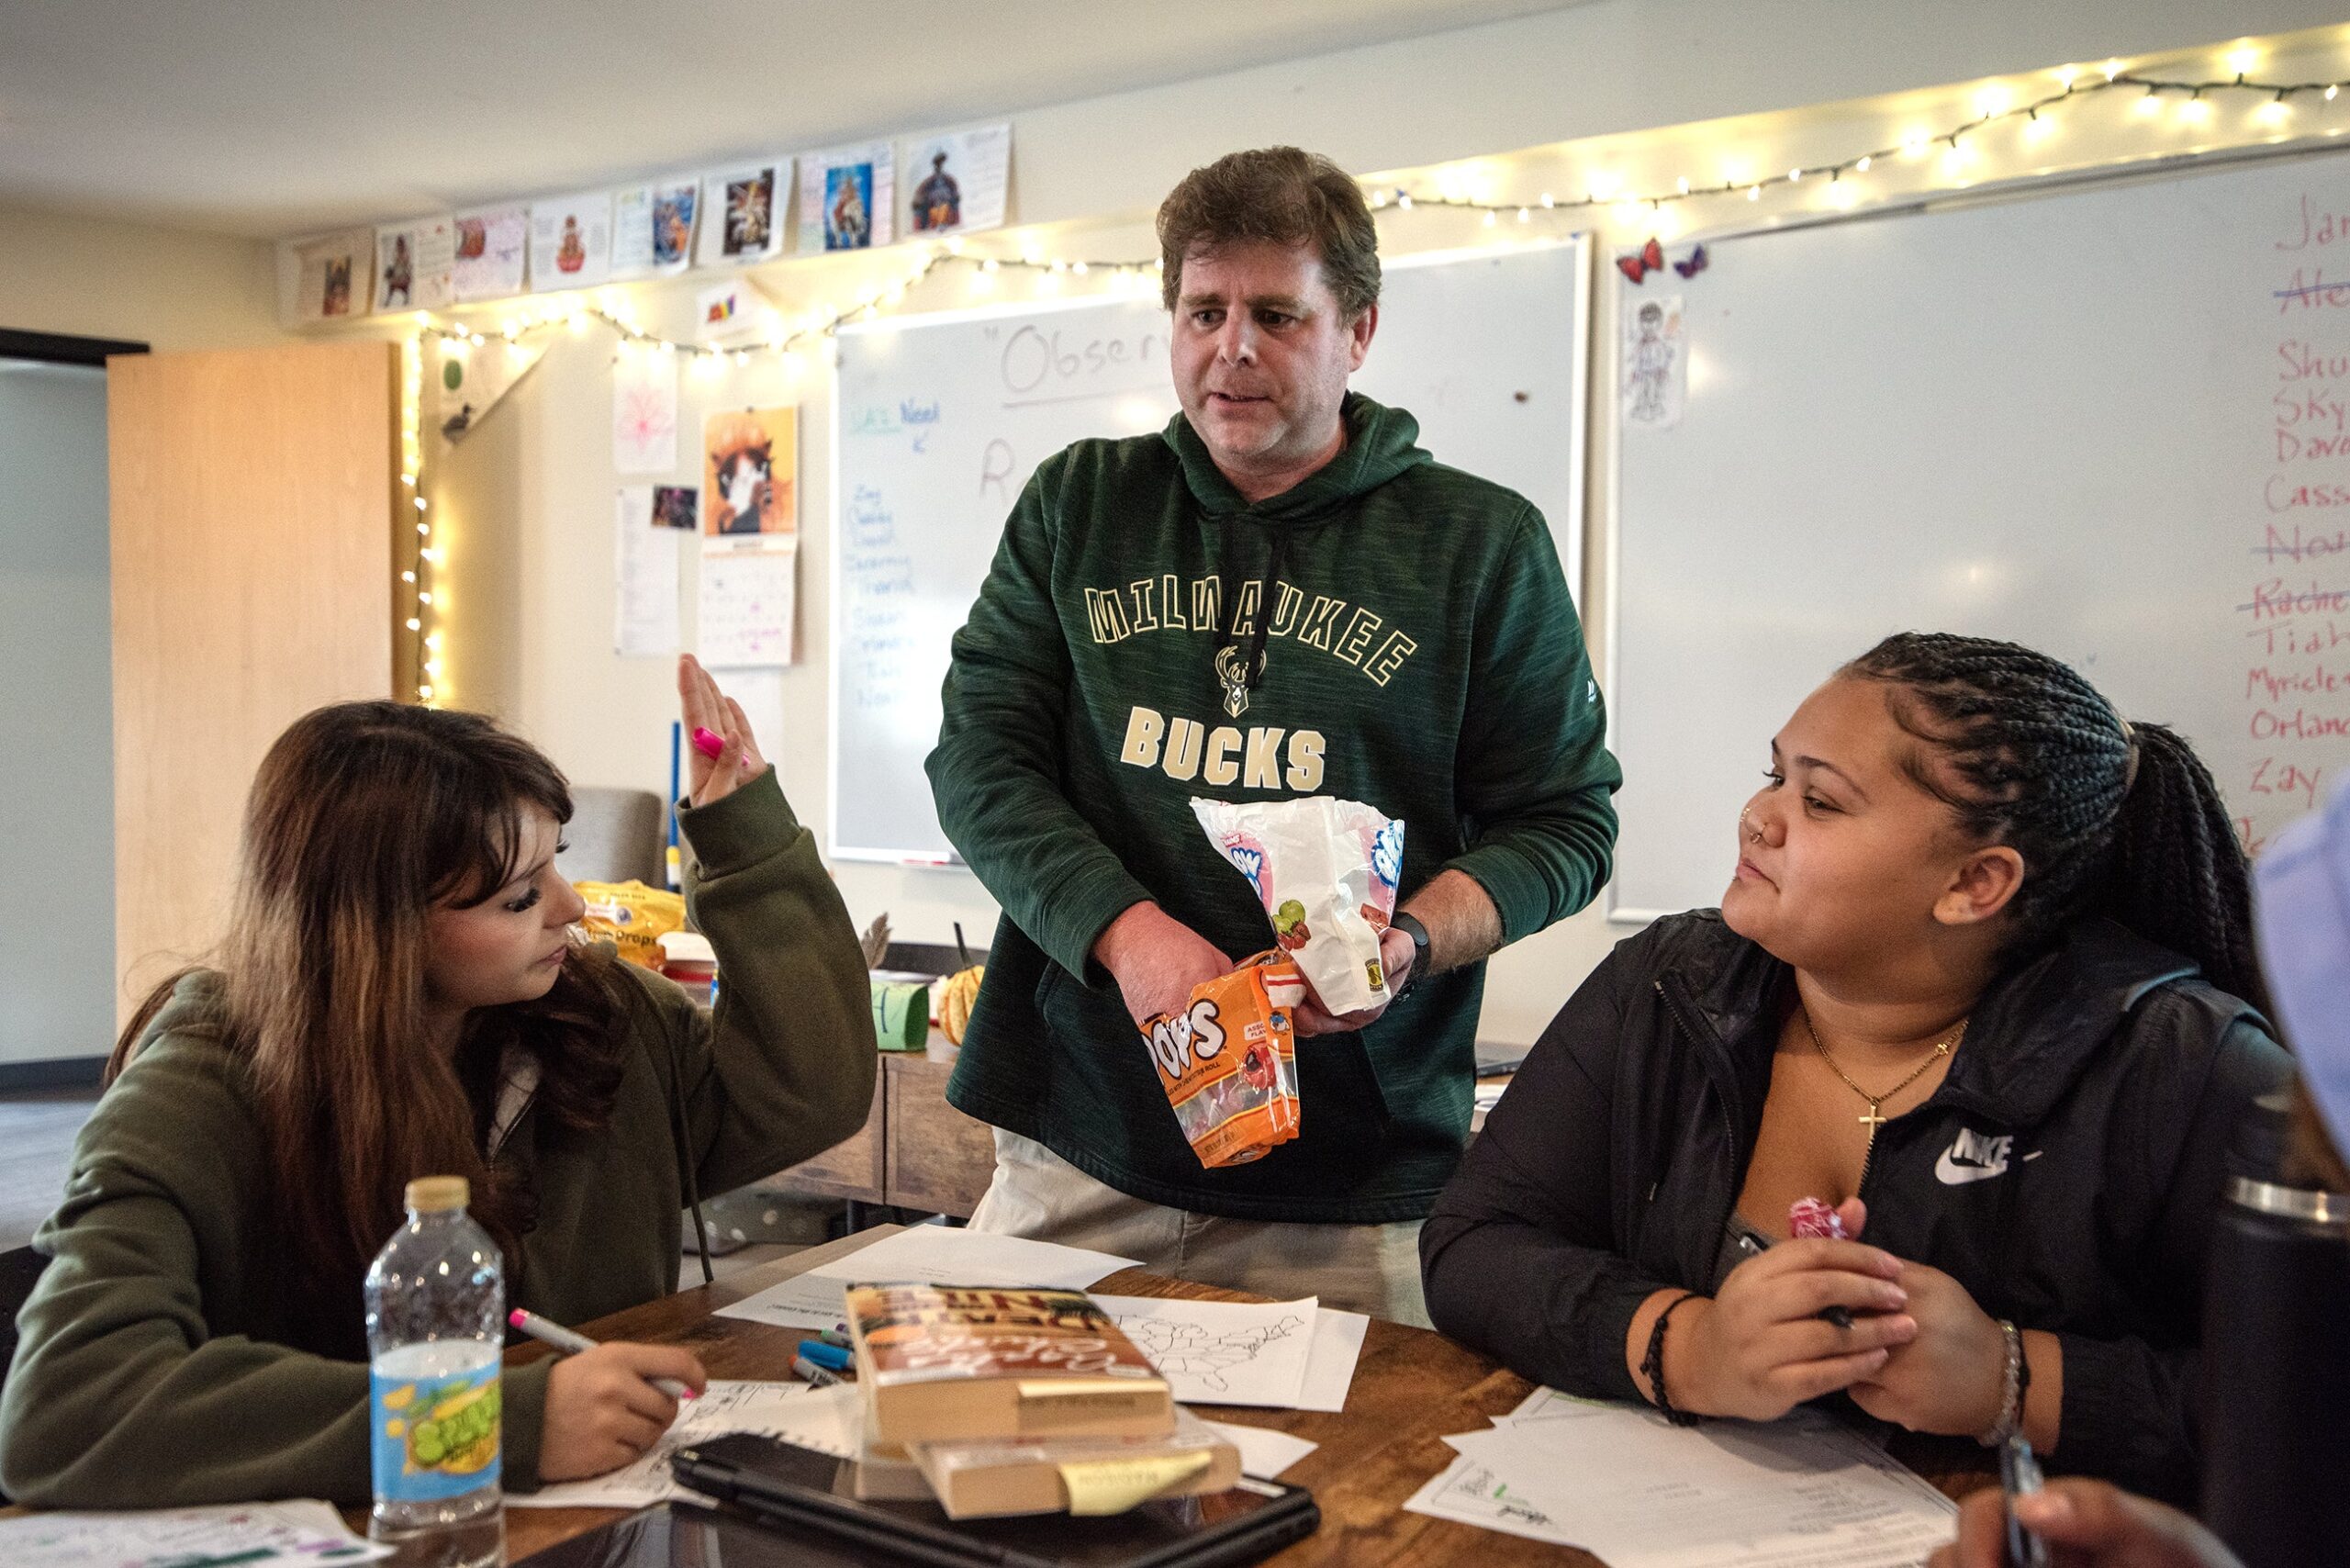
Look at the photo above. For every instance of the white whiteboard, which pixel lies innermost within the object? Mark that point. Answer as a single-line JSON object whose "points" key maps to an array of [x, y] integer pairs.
{"points": [[939, 420], [2073, 421]]}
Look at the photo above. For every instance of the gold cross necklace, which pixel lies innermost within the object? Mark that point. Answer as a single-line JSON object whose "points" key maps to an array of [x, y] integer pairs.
{"points": [[1872, 1120]]}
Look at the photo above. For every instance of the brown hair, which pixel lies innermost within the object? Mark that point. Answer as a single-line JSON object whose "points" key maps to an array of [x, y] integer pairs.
{"points": [[1279, 195], [363, 817]]}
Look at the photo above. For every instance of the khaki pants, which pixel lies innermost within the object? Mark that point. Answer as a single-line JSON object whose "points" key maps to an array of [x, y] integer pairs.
{"points": [[1362, 1267]]}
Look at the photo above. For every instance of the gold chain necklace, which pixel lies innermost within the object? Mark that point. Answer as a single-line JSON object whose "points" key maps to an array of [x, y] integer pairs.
{"points": [[1873, 1121]]}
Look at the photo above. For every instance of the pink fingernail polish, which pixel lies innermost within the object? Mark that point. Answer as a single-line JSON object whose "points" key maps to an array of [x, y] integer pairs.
{"points": [[708, 743]]}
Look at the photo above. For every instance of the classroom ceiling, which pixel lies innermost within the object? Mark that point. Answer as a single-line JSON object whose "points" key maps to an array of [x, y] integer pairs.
{"points": [[270, 118]]}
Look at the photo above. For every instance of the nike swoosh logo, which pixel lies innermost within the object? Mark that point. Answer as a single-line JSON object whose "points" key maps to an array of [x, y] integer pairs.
{"points": [[1950, 1173]]}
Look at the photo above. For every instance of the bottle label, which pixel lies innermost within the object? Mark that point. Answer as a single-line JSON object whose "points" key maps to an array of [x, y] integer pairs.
{"points": [[435, 1437]]}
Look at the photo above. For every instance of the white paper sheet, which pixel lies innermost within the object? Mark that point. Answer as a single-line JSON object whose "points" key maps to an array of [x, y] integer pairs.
{"points": [[1264, 1453], [1621, 1483], [645, 412], [413, 262], [337, 274], [1656, 361], [927, 1254], [847, 198], [1222, 1353], [571, 242], [644, 568], [652, 227], [795, 1412], [954, 184], [1330, 1368], [471, 380], [492, 242], [748, 603], [296, 1531], [742, 212], [1469, 1494]]}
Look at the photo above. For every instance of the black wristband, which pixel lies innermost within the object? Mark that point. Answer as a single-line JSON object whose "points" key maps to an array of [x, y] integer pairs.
{"points": [[1410, 926], [1652, 1364]]}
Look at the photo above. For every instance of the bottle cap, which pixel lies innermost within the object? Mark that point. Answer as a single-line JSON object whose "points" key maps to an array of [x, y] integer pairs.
{"points": [[433, 1195]]}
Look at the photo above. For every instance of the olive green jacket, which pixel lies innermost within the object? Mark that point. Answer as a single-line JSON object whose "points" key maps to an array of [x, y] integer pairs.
{"points": [[159, 1367]]}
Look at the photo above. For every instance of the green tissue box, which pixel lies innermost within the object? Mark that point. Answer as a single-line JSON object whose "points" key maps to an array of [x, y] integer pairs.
{"points": [[901, 1015]]}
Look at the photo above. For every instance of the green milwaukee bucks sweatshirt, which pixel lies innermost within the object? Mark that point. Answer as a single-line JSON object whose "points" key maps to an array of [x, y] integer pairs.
{"points": [[1390, 631]]}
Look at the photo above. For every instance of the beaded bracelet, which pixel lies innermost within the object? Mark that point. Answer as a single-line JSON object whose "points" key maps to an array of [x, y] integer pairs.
{"points": [[2015, 1381], [1653, 1363]]}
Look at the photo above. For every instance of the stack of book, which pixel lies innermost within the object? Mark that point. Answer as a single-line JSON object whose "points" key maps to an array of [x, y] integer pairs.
{"points": [[1024, 1401]]}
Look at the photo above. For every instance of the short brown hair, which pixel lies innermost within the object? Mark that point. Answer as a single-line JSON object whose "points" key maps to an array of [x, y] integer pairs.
{"points": [[1282, 195]]}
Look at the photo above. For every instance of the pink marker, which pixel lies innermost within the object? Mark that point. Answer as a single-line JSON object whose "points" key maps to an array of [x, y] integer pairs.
{"points": [[708, 742], [1809, 1217]]}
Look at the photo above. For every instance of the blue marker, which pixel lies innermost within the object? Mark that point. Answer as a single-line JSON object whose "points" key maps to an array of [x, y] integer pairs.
{"points": [[828, 1356]]}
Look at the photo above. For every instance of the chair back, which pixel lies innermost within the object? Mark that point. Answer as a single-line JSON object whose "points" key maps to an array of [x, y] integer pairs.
{"points": [[615, 835]]}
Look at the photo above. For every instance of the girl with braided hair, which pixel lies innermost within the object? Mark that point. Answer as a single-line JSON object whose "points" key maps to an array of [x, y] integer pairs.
{"points": [[1984, 983]]}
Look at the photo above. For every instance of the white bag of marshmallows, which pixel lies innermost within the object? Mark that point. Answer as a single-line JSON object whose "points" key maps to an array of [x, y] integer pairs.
{"points": [[1325, 871]]}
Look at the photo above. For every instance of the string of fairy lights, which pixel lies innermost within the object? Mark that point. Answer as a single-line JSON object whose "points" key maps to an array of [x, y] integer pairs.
{"points": [[2188, 100]]}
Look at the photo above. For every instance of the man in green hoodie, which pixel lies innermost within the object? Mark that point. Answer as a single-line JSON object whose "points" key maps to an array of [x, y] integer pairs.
{"points": [[1279, 596]]}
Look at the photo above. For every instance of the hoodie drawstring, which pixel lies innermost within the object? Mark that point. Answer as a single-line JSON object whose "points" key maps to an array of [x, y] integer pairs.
{"points": [[1252, 668]]}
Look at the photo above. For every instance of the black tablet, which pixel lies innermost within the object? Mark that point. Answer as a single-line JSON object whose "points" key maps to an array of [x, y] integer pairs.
{"points": [[784, 1507]]}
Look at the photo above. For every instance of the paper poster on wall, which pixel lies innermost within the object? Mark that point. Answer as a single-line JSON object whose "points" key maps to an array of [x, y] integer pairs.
{"points": [[677, 506], [1655, 361], [653, 228], [645, 567], [748, 605], [750, 464], [847, 198], [958, 182], [334, 273], [492, 244], [470, 380], [730, 315], [571, 242], [413, 265], [645, 412], [743, 212]]}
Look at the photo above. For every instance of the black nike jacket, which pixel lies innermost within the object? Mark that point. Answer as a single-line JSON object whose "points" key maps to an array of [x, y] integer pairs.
{"points": [[2067, 1171]]}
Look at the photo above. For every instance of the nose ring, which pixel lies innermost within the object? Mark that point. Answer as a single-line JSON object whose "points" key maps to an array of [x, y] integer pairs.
{"points": [[1752, 831]]}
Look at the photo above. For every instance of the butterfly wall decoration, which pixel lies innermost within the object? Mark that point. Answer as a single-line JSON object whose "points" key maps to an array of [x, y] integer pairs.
{"points": [[1649, 258]]}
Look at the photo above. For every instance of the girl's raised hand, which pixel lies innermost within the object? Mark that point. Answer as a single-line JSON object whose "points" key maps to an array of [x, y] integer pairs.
{"points": [[709, 711]]}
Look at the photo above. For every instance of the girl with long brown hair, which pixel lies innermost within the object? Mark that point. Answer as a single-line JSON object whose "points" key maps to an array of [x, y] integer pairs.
{"points": [[400, 994]]}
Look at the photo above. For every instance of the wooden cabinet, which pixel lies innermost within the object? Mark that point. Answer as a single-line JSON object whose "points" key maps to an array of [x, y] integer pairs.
{"points": [[915, 1151], [939, 1159]]}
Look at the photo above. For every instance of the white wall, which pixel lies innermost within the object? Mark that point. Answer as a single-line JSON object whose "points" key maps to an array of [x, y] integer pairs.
{"points": [[168, 289], [527, 497]]}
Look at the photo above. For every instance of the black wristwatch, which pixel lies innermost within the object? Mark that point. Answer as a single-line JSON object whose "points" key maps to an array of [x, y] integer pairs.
{"points": [[1410, 926]]}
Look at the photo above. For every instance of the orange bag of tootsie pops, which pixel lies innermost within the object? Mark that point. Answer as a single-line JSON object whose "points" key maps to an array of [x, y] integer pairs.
{"points": [[1228, 1061]]}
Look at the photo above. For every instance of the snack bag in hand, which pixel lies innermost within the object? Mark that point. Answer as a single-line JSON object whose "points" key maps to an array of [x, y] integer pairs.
{"points": [[632, 917], [1227, 1061], [1325, 871]]}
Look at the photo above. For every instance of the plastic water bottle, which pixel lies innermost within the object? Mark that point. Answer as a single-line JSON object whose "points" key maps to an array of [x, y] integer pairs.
{"points": [[436, 1324]]}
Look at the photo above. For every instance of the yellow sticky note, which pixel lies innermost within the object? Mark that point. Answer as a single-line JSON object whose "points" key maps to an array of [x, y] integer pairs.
{"points": [[1114, 1485]]}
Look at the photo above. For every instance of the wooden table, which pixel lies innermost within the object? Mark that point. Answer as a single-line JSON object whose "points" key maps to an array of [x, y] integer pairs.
{"points": [[1411, 1387]]}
